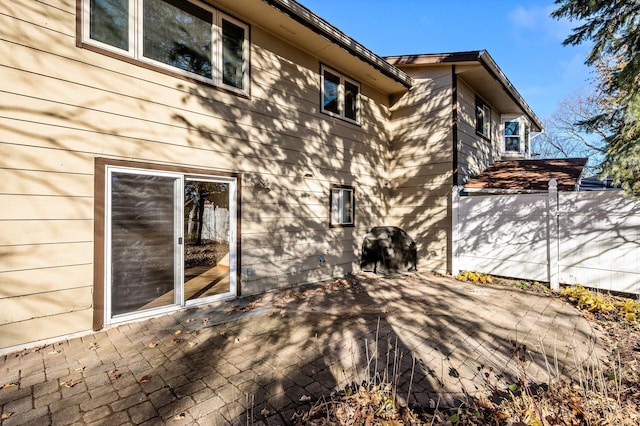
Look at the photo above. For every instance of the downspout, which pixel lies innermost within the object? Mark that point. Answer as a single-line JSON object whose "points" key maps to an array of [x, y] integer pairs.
{"points": [[454, 122], [452, 263]]}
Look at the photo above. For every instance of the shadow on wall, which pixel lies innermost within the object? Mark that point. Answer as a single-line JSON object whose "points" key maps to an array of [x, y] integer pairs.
{"points": [[391, 247]]}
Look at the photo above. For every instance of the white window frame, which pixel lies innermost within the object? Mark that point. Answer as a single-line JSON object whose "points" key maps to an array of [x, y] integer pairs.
{"points": [[486, 115], [524, 148], [135, 51], [336, 204], [341, 96]]}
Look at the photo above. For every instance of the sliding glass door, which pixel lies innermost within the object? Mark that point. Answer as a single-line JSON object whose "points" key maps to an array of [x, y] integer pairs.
{"points": [[169, 243]]}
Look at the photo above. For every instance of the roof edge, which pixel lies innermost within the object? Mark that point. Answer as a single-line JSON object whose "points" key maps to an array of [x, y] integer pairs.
{"points": [[490, 65], [484, 59], [321, 27]]}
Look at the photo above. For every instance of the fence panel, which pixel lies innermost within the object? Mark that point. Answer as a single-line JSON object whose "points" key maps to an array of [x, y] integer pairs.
{"points": [[599, 235], [595, 237], [504, 234]]}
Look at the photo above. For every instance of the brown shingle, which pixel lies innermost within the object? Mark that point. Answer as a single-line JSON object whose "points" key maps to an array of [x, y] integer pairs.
{"points": [[530, 175]]}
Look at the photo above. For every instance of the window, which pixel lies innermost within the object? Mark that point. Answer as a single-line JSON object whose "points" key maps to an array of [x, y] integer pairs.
{"points": [[516, 135], [512, 136], [185, 37], [342, 206], [483, 119], [340, 96]]}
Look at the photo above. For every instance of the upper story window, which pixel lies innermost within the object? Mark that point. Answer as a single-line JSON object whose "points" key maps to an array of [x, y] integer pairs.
{"points": [[185, 37], [516, 137], [342, 206], [483, 119], [340, 96]]}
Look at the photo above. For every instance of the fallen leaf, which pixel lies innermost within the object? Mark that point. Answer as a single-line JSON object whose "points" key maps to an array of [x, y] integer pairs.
{"points": [[6, 415], [265, 412], [177, 332], [223, 334], [93, 345], [144, 379], [177, 340], [79, 370], [54, 352], [69, 384], [152, 345], [305, 398], [179, 416], [114, 375], [192, 344], [9, 385]]}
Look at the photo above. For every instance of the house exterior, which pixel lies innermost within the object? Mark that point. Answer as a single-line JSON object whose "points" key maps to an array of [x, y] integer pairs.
{"points": [[121, 120]]}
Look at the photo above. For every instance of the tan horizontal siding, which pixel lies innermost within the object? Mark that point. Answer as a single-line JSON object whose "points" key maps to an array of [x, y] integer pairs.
{"points": [[44, 304], [40, 256], [34, 281], [45, 327], [36, 231]]}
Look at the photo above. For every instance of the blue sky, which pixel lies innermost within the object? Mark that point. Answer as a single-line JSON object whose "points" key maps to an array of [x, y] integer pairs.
{"points": [[521, 37]]}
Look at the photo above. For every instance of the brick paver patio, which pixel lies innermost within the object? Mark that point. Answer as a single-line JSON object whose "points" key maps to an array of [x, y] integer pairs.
{"points": [[262, 358]]}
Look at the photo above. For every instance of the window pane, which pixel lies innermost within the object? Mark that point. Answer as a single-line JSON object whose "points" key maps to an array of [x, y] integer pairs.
{"points": [[335, 206], [142, 242], [347, 210], [351, 92], [486, 130], [479, 119], [233, 55], [109, 22], [512, 143], [178, 33], [330, 92], [512, 128]]}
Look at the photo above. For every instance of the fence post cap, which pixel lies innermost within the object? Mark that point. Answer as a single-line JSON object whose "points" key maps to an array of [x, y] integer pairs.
{"points": [[553, 184]]}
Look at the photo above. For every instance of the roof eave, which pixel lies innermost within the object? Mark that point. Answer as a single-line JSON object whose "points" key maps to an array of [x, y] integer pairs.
{"points": [[490, 65], [318, 25], [483, 58]]}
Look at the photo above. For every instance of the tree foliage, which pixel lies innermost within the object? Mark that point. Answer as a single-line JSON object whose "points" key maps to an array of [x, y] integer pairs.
{"points": [[614, 28], [563, 139]]}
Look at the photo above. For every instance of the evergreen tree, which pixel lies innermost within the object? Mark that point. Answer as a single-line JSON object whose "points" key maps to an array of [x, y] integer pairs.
{"points": [[614, 28]]}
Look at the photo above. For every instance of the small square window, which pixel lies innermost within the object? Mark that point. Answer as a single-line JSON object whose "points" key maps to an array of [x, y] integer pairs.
{"points": [[340, 96], [342, 206], [483, 119]]}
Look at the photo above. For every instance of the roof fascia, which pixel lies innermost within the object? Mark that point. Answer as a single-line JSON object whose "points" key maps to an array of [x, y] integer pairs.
{"points": [[479, 56], [490, 65], [323, 28]]}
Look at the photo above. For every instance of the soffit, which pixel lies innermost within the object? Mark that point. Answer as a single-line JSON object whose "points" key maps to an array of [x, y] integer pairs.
{"points": [[481, 73], [360, 64]]}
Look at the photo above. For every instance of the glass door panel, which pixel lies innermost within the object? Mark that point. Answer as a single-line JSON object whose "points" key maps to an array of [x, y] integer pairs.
{"points": [[207, 236], [143, 240]]}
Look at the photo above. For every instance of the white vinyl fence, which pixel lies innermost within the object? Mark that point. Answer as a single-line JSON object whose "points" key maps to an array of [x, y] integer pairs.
{"points": [[590, 238]]}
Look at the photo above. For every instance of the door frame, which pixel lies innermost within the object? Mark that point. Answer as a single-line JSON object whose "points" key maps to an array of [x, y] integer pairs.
{"points": [[100, 308]]}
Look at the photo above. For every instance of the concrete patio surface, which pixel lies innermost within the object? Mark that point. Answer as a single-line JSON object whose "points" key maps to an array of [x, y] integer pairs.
{"points": [[257, 360]]}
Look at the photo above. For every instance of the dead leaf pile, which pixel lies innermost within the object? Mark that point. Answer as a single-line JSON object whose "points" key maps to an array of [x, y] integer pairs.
{"points": [[375, 406]]}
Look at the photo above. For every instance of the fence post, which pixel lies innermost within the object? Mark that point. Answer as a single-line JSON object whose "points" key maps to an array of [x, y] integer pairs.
{"points": [[455, 232], [553, 235]]}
